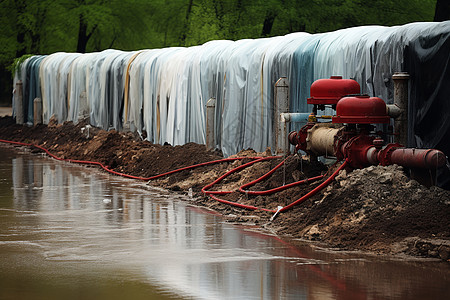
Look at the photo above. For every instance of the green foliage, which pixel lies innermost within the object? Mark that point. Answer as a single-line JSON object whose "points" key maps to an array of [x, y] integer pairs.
{"points": [[15, 66], [48, 26]]}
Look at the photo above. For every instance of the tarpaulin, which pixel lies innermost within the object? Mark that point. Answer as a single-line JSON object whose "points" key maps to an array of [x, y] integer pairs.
{"points": [[427, 60], [164, 91]]}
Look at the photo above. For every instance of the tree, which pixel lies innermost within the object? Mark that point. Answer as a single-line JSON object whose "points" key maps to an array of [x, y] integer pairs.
{"points": [[83, 35], [48, 26]]}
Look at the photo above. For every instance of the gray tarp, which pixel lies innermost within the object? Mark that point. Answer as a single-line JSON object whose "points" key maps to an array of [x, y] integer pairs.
{"points": [[164, 91]]}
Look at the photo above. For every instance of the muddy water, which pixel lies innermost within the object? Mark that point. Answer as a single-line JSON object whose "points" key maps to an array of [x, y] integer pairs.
{"points": [[71, 232]]}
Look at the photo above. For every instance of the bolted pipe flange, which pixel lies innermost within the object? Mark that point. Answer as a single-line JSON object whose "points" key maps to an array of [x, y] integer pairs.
{"points": [[384, 155], [355, 151], [293, 138], [401, 101]]}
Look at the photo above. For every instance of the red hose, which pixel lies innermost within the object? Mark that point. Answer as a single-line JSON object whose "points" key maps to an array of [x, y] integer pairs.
{"points": [[200, 165], [280, 188], [277, 189], [213, 193], [204, 189], [316, 189], [251, 207], [123, 174]]}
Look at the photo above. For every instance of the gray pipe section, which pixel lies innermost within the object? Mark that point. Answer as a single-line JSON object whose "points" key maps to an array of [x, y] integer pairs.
{"points": [[18, 102], [393, 110], [37, 111], [295, 117], [401, 101], [281, 106], [210, 123]]}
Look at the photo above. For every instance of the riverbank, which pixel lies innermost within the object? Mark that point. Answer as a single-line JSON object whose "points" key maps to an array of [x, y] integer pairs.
{"points": [[377, 209]]}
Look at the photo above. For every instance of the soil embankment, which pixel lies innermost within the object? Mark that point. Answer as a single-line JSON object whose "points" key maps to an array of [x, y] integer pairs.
{"points": [[377, 209]]}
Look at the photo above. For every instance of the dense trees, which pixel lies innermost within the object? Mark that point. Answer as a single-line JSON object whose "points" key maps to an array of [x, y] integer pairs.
{"points": [[47, 26]]}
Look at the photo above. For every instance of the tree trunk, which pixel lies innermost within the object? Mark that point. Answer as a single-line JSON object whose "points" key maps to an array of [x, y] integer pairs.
{"points": [[268, 23], [442, 11], [186, 24], [82, 36]]}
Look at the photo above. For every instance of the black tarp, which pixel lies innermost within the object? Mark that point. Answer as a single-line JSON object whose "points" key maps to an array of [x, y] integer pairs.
{"points": [[427, 60]]}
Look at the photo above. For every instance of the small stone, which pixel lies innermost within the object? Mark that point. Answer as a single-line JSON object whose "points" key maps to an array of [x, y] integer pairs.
{"points": [[386, 178]]}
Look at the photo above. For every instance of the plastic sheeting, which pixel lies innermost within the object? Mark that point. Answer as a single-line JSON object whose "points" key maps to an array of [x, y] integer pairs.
{"points": [[427, 60], [164, 91]]}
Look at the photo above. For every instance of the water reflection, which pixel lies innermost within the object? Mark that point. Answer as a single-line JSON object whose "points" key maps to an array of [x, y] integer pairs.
{"points": [[81, 222]]}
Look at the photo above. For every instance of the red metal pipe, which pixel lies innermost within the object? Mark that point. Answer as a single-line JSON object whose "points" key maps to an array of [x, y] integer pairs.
{"points": [[418, 158]]}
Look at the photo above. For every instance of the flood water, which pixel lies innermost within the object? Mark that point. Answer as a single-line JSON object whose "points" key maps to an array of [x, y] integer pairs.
{"points": [[72, 232]]}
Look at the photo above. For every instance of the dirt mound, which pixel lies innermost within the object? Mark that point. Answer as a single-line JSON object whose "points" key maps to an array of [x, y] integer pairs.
{"points": [[378, 209], [121, 151]]}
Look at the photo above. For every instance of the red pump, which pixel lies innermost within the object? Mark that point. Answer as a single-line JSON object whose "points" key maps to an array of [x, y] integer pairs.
{"points": [[361, 109], [350, 136], [330, 91]]}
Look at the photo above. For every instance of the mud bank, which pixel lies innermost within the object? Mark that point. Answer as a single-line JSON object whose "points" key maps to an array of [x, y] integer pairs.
{"points": [[376, 209]]}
